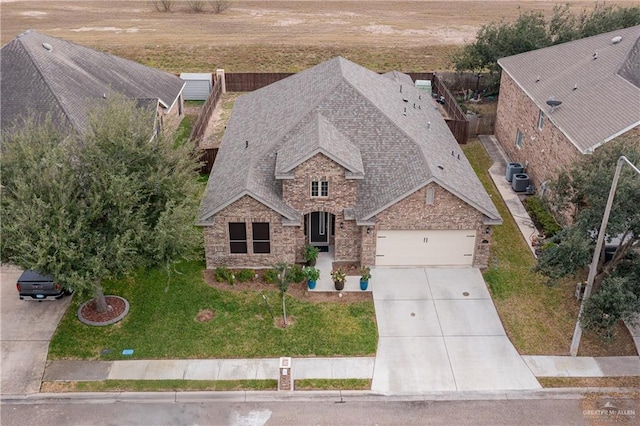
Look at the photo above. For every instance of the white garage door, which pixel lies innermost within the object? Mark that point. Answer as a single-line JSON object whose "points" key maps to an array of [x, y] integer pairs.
{"points": [[425, 248]]}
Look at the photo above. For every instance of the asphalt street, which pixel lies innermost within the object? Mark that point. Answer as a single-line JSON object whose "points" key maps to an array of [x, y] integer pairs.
{"points": [[580, 411]]}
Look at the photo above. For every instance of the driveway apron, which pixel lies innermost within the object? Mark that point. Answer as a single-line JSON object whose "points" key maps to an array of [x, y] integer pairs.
{"points": [[439, 331], [26, 327]]}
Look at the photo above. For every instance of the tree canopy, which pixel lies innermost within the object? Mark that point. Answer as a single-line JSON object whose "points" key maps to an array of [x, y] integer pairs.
{"points": [[580, 195], [85, 208], [532, 30]]}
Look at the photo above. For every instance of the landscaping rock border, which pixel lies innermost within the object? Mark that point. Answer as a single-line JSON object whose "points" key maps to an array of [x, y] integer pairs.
{"points": [[109, 321]]}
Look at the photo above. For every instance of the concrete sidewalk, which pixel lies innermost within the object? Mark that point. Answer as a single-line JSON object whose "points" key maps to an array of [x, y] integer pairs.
{"points": [[498, 173], [209, 369], [306, 368]]}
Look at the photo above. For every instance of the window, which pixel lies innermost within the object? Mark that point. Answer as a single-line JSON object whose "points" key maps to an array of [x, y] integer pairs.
{"points": [[237, 237], [261, 243], [319, 188], [540, 120], [519, 139]]}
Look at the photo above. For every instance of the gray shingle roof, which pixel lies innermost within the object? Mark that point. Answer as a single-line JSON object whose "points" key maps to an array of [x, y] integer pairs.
{"points": [[68, 79], [403, 141], [318, 135], [606, 99]]}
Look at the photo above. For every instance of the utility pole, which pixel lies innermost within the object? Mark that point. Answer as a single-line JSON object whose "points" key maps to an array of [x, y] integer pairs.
{"points": [[577, 333]]}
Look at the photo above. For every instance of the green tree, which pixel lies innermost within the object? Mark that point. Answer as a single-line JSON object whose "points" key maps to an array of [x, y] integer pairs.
{"points": [[580, 194], [532, 30], [90, 207]]}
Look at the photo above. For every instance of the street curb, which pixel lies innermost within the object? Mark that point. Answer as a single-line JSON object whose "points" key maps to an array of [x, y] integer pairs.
{"points": [[307, 396]]}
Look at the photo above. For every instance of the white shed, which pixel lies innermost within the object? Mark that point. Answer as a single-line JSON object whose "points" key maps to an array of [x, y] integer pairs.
{"points": [[197, 86]]}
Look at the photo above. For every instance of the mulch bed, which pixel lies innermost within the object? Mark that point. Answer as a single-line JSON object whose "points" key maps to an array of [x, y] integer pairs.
{"points": [[297, 290], [115, 307]]}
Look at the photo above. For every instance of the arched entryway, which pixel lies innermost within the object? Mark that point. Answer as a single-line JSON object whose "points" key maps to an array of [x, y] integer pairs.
{"points": [[320, 228]]}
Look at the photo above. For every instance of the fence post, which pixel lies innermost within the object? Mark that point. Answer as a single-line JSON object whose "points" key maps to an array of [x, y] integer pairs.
{"points": [[220, 78]]}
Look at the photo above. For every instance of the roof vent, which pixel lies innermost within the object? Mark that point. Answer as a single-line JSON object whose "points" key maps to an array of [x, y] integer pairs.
{"points": [[616, 40], [246, 144], [594, 56], [47, 46], [575, 87], [537, 79], [428, 125], [441, 168]]}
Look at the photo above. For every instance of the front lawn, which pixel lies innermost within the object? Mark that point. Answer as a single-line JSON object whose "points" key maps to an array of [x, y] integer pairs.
{"points": [[538, 319], [162, 323]]}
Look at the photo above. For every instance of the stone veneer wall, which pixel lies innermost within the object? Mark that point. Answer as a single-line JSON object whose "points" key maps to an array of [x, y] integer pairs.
{"points": [[546, 150], [447, 212], [342, 194], [248, 210]]}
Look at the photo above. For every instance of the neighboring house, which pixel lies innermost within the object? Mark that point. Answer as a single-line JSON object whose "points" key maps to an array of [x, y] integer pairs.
{"points": [[597, 81], [342, 157], [46, 76]]}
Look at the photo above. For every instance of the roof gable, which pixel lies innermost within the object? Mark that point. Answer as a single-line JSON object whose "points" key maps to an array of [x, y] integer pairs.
{"points": [[73, 79], [317, 135], [594, 78]]}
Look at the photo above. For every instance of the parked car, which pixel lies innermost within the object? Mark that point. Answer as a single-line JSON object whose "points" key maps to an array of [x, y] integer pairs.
{"points": [[33, 286]]}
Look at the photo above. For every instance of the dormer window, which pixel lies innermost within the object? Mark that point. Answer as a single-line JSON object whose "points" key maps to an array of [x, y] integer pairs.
{"points": [[319, 188]]}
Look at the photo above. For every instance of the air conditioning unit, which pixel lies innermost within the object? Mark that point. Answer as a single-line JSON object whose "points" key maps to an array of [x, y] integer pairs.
{"points": [[512, 169], [520, 182]]}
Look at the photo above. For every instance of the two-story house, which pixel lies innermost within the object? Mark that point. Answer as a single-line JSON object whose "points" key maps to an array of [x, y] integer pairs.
{"points": [[343, 158], [562, 102]]}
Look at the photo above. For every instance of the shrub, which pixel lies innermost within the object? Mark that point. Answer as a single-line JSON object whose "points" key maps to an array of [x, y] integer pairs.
{"points": [[270, 276], [220, 6], [224, 275], [541, 215], [244, 275], [295, 274]]}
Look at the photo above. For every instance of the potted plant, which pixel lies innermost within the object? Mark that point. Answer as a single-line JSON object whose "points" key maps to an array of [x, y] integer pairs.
{"points": [[311, 254], [311, 274], [365, 276], [338, 276]]}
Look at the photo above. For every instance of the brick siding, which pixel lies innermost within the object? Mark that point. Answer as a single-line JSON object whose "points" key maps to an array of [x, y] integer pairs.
{"points": [[342, 194], [547, 151]]}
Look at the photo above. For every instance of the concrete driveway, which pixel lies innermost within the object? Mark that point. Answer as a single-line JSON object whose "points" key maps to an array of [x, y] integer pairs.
{"points": [[439, 331], [26, 327]]}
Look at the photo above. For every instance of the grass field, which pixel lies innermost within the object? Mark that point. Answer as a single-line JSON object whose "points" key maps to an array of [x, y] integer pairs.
{"points": [[538, 319], [270, 36]]}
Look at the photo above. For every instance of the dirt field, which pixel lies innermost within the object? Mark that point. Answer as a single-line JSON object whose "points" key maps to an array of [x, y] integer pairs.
{"points": [[269, 35]]}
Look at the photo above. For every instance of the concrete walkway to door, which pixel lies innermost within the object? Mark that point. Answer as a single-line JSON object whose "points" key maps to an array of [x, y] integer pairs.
{"points": [[439, 331]]}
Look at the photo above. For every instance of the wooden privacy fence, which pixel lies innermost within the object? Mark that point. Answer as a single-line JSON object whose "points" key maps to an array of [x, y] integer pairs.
{"points": [[206, 111], [208, 157], [250, 81], [457, 121]]}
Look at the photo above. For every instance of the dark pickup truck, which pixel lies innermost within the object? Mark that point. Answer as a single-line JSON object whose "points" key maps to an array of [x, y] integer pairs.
{"points": [[33, 286]]}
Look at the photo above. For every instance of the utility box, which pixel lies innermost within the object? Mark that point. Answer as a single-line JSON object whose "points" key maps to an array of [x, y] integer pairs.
{"points": [[285, 380], [424, 85]]}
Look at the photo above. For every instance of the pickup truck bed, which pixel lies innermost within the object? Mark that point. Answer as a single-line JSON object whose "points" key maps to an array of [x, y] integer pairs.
{"points": [[33, 286]]}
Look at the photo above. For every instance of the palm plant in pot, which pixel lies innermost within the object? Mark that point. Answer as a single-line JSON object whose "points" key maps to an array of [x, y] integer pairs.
{"points": [[311, 274], [365, 276], [339, 277], [310, 254]]}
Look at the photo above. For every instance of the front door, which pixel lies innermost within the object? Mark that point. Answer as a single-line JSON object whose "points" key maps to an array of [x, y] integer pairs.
{"points": [[319, 227]]}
